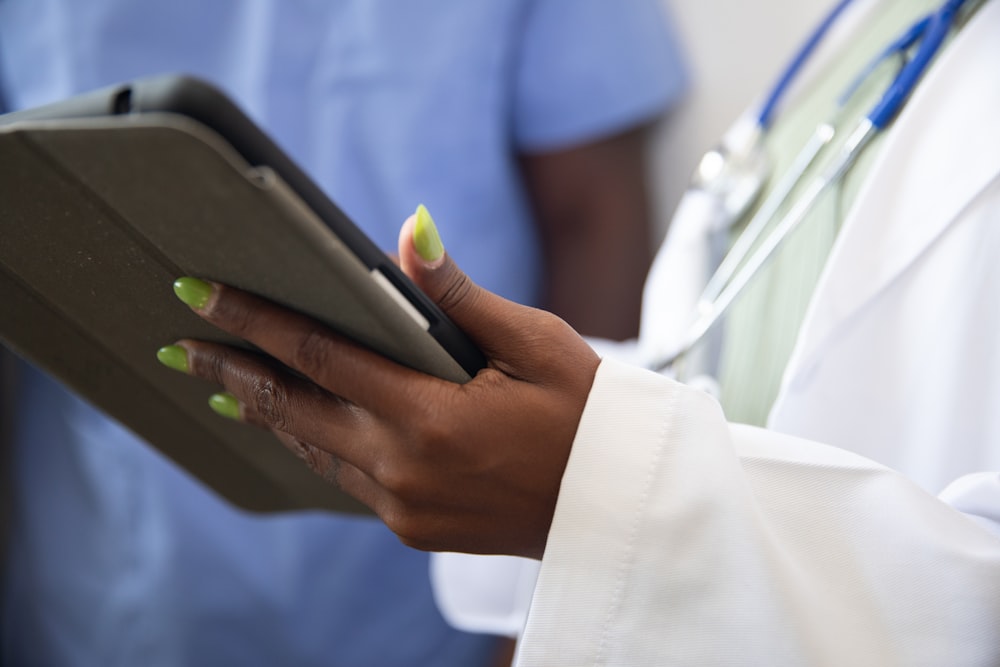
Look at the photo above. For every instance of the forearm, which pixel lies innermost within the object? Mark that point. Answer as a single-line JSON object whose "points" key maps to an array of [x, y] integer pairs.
{"points": [[594, 215], [595, 273]]}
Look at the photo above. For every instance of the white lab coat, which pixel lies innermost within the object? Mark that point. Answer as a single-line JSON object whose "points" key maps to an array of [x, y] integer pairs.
{"points": [[681, 539]]}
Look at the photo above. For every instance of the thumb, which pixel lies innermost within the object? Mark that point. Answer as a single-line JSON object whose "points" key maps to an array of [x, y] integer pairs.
{"points": [[488, 319]]}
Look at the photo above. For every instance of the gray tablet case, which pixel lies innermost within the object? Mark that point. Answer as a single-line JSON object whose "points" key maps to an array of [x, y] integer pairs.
{"points": [[99, 215]]}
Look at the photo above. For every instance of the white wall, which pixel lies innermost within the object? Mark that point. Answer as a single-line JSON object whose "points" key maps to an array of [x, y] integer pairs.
{"points": [[735, 49]]}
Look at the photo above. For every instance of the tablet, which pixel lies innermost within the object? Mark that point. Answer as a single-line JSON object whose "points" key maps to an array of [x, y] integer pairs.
{"points": [[107, 198]]}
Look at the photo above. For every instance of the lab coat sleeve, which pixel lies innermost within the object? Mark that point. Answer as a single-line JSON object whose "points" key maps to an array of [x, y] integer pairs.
{"points": [[680, 539], [488, 594]]}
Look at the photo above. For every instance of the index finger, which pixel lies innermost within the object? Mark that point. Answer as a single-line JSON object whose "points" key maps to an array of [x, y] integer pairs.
{"points": [[331, 360]]}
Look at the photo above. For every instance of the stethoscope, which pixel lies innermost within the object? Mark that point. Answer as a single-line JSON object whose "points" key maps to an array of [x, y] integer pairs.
{"points": [[732, 178]]}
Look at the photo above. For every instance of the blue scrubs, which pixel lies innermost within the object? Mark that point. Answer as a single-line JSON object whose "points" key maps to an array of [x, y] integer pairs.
{"points": [[118, 558]]}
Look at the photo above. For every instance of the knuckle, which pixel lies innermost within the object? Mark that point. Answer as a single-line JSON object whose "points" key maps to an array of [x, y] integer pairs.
{"points": [[539, 330], [431, 430], [311, 352], [432, 439], [301, 449], [544, 327], [324, 465], [458, 292], [319, 461], [269, 399]]}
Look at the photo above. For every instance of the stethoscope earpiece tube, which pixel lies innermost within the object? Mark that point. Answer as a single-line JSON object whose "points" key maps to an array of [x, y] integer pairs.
{"points": [[777, 93]]}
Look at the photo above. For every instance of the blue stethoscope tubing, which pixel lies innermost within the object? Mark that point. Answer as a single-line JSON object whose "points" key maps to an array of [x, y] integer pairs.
{"points": [[926, 36], [777, 93], [932, 37]]}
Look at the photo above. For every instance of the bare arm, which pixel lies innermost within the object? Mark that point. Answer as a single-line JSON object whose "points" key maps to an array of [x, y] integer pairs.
{"points": [[593, 208]]}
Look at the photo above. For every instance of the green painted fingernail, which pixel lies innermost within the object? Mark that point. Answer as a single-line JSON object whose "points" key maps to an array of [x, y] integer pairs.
{"points": [[192, 291], [173, 356], [426, 239], [226, 405]]}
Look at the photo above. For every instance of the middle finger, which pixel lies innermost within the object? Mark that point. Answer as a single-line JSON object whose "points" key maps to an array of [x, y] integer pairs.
{"points": [[284, 402], [341, 366]]}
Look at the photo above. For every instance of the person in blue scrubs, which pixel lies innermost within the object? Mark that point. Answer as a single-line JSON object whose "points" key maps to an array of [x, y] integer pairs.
{"points": [[522, 119]]}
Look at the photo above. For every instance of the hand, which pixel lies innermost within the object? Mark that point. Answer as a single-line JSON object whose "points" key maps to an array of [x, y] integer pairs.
{"points": [[448, 467]]}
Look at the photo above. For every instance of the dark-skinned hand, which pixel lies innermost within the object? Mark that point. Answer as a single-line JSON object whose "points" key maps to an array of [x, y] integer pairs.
{"points": [[470, 467]]}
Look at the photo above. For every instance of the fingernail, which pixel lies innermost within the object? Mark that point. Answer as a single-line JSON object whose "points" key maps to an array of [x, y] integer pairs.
{"points": [[192, 291], [225, 405], [173, 356], [426, 239]]}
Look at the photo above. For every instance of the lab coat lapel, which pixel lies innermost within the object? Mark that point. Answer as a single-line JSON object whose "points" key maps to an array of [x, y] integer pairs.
{"points": [[940, 153]]}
